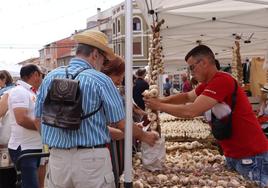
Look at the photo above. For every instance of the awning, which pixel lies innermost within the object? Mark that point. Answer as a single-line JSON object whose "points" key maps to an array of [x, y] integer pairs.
{"points": [[216, 23]]}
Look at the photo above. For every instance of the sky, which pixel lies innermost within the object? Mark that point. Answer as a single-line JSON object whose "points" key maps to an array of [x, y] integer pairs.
{"points": [[28, 25]]}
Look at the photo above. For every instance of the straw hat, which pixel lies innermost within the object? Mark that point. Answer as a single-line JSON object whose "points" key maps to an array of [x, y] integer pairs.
{"points": [[265, 88], [96, 39]]}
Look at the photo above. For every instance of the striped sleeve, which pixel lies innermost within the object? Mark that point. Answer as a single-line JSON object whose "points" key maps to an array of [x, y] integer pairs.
{"points": [[113, 102], [40, 98]]}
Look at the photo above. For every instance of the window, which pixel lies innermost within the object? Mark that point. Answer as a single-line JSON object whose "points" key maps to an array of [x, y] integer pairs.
{"points": [[118, 26], [48, 50], [119, 49], [137, 48], [114, 27], [136, 24]]}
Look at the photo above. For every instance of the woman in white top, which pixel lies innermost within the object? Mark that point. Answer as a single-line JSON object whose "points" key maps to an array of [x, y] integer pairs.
{"points": [[7, 171]]}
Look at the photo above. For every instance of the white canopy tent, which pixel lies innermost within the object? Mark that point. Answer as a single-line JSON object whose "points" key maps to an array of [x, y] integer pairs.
{"points": [[216, 23]]}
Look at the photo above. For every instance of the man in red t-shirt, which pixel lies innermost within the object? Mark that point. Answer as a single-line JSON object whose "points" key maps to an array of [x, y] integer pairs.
{"points": [[246, 150]]}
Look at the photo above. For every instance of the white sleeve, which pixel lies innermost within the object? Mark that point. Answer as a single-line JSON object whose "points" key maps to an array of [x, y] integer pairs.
{"points": [[18, 97], [220, 110]]}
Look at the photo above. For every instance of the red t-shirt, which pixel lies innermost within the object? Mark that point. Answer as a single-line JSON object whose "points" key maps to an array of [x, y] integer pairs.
{"points": [[247, 138]]}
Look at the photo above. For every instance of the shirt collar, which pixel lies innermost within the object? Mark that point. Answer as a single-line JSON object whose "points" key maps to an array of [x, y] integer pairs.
{"points": [[81, 62], [25, 85]]}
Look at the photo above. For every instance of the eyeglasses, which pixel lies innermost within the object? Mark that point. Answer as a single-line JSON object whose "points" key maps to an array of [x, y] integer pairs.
{"points": [[102, 53], [105, 61], [43, 76], [192, 66]]}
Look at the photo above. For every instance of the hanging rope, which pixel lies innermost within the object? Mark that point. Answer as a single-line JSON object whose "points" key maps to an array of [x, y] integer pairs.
{"points": [[150, 10]]}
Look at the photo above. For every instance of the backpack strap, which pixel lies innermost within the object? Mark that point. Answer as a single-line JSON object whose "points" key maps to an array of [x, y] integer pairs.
{"points": [[73, 77], [92, 113], [76, 74], [232, 105], [234, 96]]}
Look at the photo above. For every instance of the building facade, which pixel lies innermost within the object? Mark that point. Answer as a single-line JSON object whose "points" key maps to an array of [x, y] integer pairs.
{"points": [[112, 23], [57, 53], [140, 34]]}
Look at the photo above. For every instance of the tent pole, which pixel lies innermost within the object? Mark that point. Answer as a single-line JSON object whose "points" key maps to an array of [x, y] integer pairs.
{"points": [[129, 88]]}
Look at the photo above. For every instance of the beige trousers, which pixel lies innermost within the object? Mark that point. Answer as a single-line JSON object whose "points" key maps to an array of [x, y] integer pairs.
{"points": [[80, 168]]}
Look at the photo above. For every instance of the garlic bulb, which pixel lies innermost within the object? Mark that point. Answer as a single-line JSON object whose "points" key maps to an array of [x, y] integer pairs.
{"points": [[195, 128], [153, 92], [199, 167], [138, 184]]}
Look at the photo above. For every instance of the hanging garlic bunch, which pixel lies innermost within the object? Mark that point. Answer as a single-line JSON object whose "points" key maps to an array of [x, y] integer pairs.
{"points": [[152, 116], [155, 62], [156, 67], [237, 70]]}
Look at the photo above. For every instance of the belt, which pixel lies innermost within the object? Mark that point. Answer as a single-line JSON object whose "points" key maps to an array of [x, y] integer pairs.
{"points": [[92, 147]]}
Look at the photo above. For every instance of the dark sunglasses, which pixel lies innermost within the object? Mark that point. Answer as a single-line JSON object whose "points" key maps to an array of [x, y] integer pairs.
{"points": [[192, 66], [43, 76], [105, 61], [102, 53]]}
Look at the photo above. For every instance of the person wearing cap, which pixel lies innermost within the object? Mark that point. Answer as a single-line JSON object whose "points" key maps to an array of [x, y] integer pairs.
{"points": [[246, 148], [24, 135], [80, 158]]}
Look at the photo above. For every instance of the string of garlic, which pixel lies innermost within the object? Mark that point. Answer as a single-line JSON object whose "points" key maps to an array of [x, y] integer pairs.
{"points": [[156, 67]]}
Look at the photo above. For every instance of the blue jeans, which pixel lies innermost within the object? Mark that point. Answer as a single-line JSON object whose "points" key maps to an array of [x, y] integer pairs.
{"points": [[254, 168], [29, 167]]}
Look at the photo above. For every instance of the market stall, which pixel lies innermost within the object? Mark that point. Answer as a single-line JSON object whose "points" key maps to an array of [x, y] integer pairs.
{"points": [[193, 159], [178, 26]]}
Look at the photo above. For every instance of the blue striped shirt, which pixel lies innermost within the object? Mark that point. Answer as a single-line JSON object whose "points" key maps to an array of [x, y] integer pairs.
{"points": [[96, 87]]}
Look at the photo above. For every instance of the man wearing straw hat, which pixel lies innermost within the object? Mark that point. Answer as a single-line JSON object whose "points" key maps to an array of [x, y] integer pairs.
{"points": [[79, 158]]}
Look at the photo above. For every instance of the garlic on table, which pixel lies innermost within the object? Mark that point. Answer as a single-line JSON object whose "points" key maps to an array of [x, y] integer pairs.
{"points": [[138, 184]]}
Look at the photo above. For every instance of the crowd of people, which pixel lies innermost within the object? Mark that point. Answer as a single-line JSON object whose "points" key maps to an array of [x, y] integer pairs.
{"points": [[89, 144], [92, 156]]}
